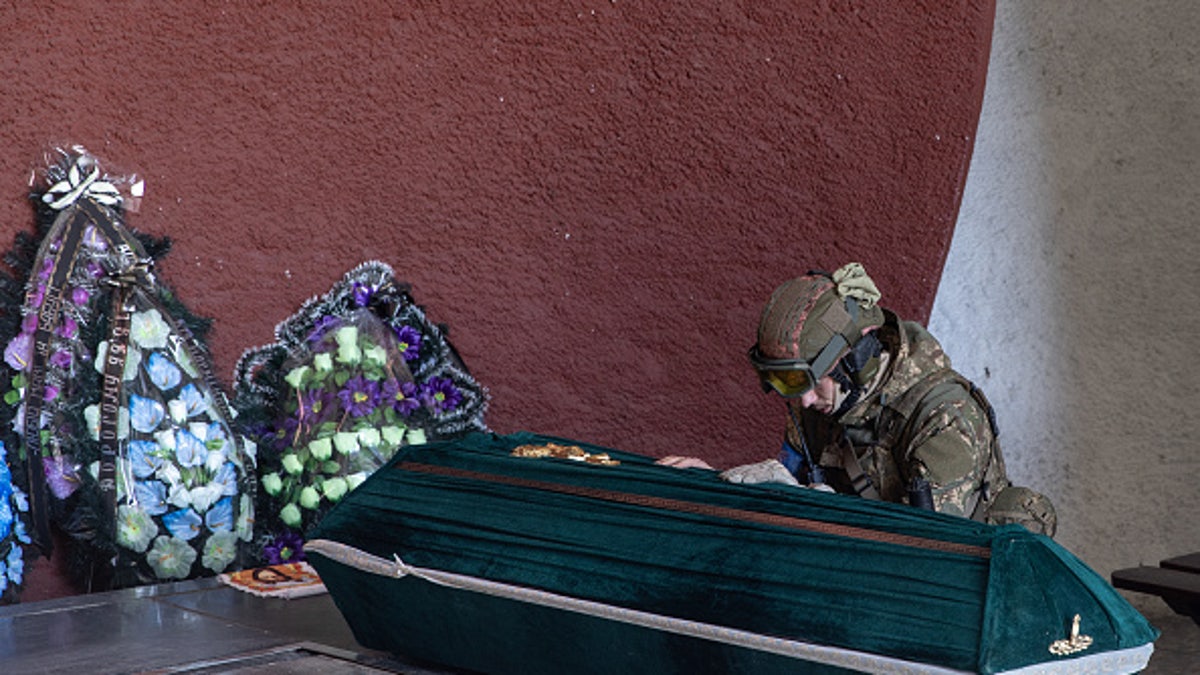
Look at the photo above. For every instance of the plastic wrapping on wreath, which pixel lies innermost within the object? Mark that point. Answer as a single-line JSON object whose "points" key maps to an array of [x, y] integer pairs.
{"points": [[129, 450], [354, 376]]}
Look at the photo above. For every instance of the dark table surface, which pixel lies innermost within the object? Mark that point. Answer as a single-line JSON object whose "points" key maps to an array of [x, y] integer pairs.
{"points": [[199, 626]]}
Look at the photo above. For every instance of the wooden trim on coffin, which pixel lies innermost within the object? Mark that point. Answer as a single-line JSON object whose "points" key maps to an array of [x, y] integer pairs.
{"points": [[1114, 663]]}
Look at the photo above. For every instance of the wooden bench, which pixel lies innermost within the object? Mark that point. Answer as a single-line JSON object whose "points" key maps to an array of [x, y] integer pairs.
{"points": [[1175, 580]]}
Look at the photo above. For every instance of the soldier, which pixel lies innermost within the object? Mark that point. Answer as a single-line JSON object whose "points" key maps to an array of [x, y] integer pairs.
{"points": [[874, 408]]}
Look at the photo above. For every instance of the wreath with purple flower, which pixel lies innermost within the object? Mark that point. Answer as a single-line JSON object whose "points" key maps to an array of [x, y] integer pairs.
{"points": [[353, 376]]}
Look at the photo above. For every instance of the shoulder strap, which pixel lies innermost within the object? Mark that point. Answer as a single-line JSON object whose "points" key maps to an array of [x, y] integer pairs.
{"points": [[896, 419]]}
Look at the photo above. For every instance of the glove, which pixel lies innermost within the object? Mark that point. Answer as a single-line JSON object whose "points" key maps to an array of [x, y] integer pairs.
{"points": [[769, 471]]}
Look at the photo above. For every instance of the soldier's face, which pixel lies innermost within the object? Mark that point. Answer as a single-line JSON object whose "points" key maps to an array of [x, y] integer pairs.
{"points": [[821, 398]]}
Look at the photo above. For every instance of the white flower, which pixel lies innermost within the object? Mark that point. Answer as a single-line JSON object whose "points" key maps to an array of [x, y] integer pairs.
{"points": [[166, 439], [178, 410], [179, 496], [216, 460], [148, 330], [169, 473], [205, 496], [251, 449]]}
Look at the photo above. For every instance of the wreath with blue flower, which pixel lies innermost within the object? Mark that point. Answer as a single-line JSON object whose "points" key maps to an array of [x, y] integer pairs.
{"points": [[124, 438], [13, 536], [352, 377]]}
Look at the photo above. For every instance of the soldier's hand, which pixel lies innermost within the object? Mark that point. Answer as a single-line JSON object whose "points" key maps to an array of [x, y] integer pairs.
{"points": [[769, 471]]}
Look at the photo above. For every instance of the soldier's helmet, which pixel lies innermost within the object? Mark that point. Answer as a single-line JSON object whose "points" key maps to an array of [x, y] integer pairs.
{"points": [[809, 324]]}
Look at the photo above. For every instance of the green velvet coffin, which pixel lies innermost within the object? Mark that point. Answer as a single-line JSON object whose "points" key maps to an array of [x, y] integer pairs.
{"points": [[462, 554]]}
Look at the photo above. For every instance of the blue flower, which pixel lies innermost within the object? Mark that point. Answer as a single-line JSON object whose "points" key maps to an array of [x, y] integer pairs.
{"points": [[220, 517], [163, 372], [189, 450], [191, 396], [16, 566], [183, 524], [227, 478], [6, 517], [145, 414], [151, 496], [216, 436], [143, 458]]}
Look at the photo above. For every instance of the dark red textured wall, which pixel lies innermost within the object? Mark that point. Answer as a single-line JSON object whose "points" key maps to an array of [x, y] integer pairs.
{"points": [[596, 196]]}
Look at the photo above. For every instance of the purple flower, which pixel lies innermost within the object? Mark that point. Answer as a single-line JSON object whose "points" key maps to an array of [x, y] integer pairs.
{"points": [[360, 396], [402, 396], [60, 358], [441, 395], [29, 323], [409, 340], [60, 476], [287, 547], [47, 269], [95, 269], [80, 295], [68, 329], [315, 402], [322, 326], [19, 351], [362, 294]]}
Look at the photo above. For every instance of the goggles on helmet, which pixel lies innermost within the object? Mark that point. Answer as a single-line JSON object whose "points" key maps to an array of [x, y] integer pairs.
{"points": [[793, 378]]}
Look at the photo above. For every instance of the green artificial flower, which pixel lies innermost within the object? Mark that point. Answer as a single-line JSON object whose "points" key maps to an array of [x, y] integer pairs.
{"points": [[356, 479], [394, 435], [290, 515], [133, 359], [321, 449], [292, 464], [245, 519], [346, 442], [310, 498], [272, 483], [376, 354], [219, 550], [323, 363], [368, 437], [171, 558], [348, 350], [335, 488], [331, 467], [91, 415], [416, 437], [135, 528], [148, 330], [297, 376]]}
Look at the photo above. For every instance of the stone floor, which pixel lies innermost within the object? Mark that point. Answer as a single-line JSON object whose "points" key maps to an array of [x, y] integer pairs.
{"points": [[1177, 652], [205, 627]]}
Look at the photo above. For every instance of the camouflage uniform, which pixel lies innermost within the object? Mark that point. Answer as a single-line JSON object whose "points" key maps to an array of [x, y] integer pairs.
{"points": [[921, 420]]}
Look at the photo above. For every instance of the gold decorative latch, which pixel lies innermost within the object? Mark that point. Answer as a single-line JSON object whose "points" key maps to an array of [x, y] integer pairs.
{"points": [[1072, 645], [564, 452]]}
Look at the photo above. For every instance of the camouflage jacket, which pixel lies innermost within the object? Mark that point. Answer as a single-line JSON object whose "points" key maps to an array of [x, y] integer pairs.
{"points": [[919, 420]]}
